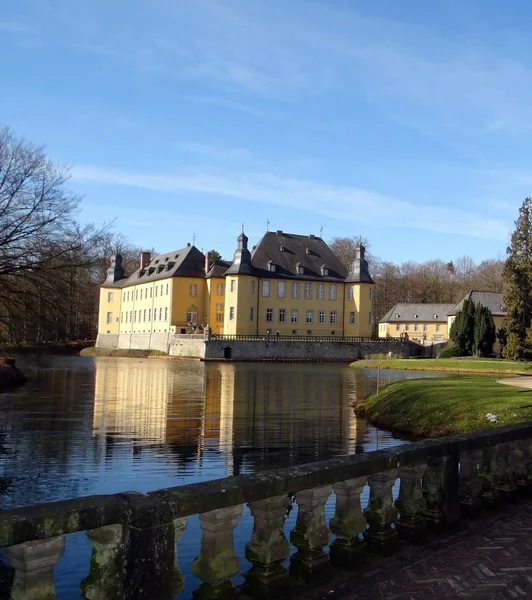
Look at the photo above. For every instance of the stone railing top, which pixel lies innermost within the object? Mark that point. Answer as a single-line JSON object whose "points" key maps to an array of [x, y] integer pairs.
{"points": [[47, 520]]}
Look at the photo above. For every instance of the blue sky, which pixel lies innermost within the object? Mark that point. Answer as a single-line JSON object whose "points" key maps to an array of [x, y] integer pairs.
{"points": [[406, 122]]}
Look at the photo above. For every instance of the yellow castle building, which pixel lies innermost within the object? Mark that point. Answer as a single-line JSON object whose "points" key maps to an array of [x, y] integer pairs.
{"points": [[288, 284]]}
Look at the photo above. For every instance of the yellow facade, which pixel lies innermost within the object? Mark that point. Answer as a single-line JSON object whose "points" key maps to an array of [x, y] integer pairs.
{"points": [[109, 313], [255, 306], [436, 332], [215, 304], [358, 317]]}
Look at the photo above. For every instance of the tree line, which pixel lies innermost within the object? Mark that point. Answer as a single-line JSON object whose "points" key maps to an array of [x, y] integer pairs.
{"points": [[51, 266], [432, 281]]}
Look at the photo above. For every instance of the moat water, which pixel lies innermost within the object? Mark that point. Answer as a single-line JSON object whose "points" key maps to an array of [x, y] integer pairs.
{"points": [[96, 426]]}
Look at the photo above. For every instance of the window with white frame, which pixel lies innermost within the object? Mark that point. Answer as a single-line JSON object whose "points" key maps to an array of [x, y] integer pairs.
{"points": [[407, 327], [295, 289], [135, 316], [282, 315], [144, 315], [232, 285], [397, 327], [109, 318], [131, 316], [220, 289], [149, 314], [161, 314], [231, 313], [321, 317], [167, 289], [321, 291], [294, 315], [437, 327], [308, 290], [269, 315], [310, 316], [127, 315], [416, 327], [332, 291], [155, 314], [352, 317], [281, 289], [333, 317], [266, 289], [109, 296], [166, 313], [193, 289], [219, 312], [151, 292], [350, 292]]}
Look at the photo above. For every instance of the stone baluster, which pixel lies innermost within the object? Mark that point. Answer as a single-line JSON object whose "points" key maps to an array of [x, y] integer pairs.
{"points": [[470, 483], [488, 476], [505, 472], [410, 503], [519, 466], [217, 561], [441, 492], [380, 513], [179, 527], [34, 564], [348, 523], [311, 533], [104, 581], [268, 547]]}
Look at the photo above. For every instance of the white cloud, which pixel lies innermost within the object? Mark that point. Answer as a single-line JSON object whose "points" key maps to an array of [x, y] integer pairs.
{"points": [[337, 202]]}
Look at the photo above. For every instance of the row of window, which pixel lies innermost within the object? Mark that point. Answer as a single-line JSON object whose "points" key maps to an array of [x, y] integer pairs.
{"points": [[294, 316], [131, 295], [134, 316], [416, 327]]}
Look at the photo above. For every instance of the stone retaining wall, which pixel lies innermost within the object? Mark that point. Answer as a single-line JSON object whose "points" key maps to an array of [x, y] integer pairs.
{"points": [[195, 346]]}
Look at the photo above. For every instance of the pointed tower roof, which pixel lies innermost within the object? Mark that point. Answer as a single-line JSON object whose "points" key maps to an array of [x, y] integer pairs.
{"points": [[242, 258], [359, 271]]}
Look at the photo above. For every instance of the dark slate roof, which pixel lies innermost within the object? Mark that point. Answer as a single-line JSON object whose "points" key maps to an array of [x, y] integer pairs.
{"points": [[241, 264], [491, 300], [287, 250], [359, 271], [187, 262], [218, 269], [426, 313]]}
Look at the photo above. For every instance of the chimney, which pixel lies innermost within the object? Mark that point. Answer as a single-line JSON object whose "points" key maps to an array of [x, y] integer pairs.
{"points": [[145, 258], [206, 263]]}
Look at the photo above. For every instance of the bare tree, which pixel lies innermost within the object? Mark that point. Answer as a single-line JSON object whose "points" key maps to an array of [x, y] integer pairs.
{"points": [[345, 249]]}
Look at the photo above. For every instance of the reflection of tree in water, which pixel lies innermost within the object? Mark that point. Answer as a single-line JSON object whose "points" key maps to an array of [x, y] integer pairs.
{"points": [[6, 572]]}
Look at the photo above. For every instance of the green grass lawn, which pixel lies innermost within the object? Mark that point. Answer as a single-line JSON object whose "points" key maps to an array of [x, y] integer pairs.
{"points": [[120, 353], [446, 406], [456, 365]]}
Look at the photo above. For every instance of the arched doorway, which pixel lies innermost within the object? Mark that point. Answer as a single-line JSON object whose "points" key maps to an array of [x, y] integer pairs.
{"points": [[192, 316]]}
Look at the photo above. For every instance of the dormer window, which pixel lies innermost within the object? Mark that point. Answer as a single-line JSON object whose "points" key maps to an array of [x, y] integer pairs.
{"points": [[416, 316], [325, 270], [435, 315], [308, 251], [160, 268], [300, 269], [396, 315], [151, 270], [141, 273], [271, 266], [282, 248]]}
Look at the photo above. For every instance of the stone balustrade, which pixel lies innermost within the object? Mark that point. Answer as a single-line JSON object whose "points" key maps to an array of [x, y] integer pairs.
{"points": [[134, 537]]}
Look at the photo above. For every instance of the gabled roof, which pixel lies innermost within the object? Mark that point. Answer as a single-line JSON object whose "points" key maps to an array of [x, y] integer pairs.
{"points": [[218, 269], [186, 262], [423, 313], [494, 301], [288, 251]]}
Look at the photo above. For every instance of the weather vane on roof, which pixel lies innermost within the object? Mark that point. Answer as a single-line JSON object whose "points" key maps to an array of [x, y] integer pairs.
{"points": [[242, 227], [267, 224], [321, 231], [193, 239]]}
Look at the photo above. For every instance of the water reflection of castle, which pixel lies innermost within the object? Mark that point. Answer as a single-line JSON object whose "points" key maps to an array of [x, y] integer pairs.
{"points": [[256, 416]]}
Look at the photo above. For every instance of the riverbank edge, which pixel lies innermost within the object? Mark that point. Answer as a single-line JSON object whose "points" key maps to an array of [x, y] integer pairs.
{"points": [[431, 365], [386, 409], [94, 352], [10, 374]]}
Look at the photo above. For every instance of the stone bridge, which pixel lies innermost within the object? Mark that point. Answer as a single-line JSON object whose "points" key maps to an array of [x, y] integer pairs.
{"points": [[417, 492]]}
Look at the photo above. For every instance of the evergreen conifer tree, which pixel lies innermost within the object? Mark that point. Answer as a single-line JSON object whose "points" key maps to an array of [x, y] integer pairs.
{"points": [[463, 329], [484, 331], [517, 276]]}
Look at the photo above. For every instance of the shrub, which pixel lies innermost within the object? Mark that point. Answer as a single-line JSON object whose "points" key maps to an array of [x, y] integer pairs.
{"points": [[450, 351]]}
